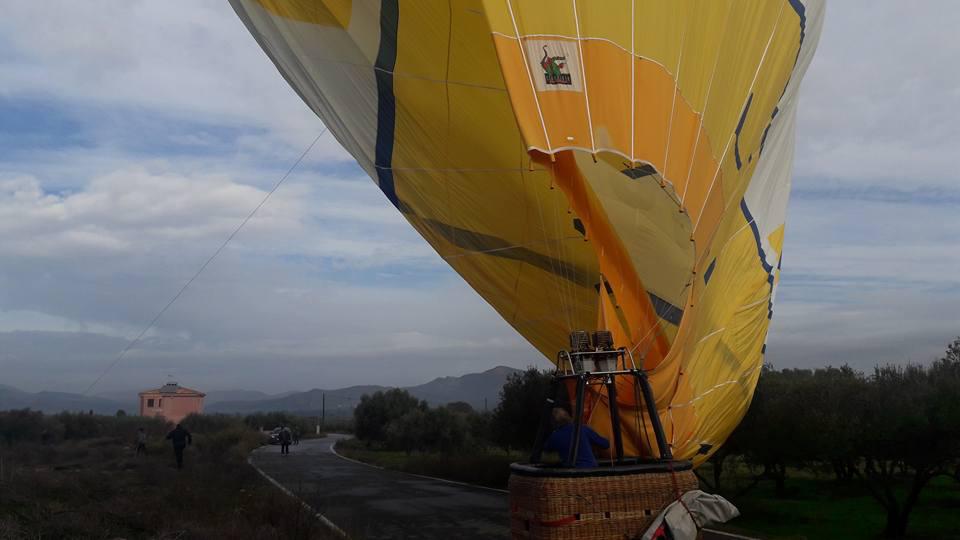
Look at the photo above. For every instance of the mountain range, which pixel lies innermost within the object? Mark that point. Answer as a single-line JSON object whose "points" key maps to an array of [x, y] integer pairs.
{"points": [[480, 390], [53, 402]]}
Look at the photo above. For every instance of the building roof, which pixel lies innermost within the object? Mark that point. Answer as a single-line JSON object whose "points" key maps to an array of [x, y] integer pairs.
{"points": [[176, 389]]}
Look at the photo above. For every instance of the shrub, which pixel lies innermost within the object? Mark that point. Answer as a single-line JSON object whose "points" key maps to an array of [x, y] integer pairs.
{"points": [[21, 426], [516, 419], [375, 412]]}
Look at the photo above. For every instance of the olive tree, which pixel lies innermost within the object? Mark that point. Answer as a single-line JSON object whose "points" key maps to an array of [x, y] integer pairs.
{"points": [[375, 412], [517, 417], [909, 434]]}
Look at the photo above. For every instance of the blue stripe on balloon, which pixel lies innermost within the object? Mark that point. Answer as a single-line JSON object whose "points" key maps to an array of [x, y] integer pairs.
{"points": [[763, 256], [386, 100]]}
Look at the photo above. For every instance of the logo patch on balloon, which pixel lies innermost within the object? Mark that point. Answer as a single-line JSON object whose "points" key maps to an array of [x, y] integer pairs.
{"points": [[554, 65]]}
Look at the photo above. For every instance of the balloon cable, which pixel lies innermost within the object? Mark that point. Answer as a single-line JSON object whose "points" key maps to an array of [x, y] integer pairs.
{"points": [[203, 267]]}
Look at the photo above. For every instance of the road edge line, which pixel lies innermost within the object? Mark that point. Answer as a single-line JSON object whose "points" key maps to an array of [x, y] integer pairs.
{"points": [[333, 450], [322, 518]]}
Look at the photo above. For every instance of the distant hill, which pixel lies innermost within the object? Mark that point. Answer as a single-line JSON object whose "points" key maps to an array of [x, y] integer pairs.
{"points": [[54, 402], [472, 388], [339, 402], [217, 396]]}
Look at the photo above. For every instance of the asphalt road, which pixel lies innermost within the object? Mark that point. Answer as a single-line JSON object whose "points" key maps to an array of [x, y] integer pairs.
{"points": [[369, 503]]}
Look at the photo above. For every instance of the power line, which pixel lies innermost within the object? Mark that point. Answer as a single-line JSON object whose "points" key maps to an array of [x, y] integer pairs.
{"points": [[203, 266]]}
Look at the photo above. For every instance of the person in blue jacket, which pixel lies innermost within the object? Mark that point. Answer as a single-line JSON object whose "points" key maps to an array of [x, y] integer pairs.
{"points": [[561, 440]]}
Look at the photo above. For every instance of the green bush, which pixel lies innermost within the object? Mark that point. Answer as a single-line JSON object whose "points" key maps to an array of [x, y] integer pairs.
{"points": [[228, 444], [208, 423], [445, 431], [516, 419], [21, 426], [375, 412]]}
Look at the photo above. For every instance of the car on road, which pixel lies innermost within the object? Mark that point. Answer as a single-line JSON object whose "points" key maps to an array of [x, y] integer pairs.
{"points": [[275, 436]]}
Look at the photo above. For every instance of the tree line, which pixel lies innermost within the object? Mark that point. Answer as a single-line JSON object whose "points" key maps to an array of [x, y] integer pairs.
{"points": [[396, 420], [25, 425], [891, 431]]}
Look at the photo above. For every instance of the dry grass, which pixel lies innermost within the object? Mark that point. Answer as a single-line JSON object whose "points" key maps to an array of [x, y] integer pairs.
{"points": [[98, 488]]}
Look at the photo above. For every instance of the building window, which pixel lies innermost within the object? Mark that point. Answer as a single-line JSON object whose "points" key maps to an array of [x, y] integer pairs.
{"points": [[150, 403], [160, 403]]}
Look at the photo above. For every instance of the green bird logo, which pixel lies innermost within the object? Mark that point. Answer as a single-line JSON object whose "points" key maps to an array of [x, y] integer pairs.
{"points": [[553, 68]]}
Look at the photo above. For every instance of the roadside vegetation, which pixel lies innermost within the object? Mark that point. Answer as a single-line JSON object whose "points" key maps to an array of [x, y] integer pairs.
{"points": [[490, 468], [397, 431], [877, 452], [827, 453], [77, 476]]}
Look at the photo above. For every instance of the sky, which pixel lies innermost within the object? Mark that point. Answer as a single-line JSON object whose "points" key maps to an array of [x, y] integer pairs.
{"points": [[132, 145]]}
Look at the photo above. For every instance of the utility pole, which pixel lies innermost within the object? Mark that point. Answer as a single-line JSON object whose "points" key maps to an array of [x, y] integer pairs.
{"points": [[323, 411]]}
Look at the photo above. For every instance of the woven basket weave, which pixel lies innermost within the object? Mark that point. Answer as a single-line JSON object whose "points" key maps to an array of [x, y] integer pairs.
{"points": [[608, 506]]}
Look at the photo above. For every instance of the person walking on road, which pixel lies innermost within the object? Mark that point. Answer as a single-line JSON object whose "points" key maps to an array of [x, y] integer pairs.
{"points": [[180, 438], [286, 438], [141, 442]]}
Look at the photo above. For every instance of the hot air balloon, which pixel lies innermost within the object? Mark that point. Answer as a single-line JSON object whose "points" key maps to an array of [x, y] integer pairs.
{"points": [[620, 166]]}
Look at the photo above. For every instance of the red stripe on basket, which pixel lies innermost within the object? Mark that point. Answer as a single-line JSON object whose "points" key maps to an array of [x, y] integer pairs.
{"points": [[559, 522]]}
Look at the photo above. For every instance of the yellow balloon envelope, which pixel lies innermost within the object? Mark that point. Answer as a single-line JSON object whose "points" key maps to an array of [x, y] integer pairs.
{"points": [[593, 164]]}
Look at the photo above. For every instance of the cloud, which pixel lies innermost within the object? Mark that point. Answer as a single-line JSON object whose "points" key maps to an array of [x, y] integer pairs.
{"points": [[136, 210], [327, 271], [186, 58], [129, 211], [865, 283], [878, 102], [870, 326], [861, 241]]}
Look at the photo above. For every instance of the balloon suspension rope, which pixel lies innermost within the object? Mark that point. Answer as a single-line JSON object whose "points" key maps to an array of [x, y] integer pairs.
{"points": [[203, 267], [679, 496]]}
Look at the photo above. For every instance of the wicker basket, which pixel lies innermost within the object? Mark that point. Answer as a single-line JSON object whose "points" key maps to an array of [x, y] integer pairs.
{"points": [[603, 503]]}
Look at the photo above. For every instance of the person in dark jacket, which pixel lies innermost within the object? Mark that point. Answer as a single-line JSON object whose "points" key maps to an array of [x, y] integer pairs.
{"points": [[141, 442], [562, 437], [180, 438], [286, 437]]}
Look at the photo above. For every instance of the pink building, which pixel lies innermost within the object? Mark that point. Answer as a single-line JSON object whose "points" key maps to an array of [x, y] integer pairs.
{"points": [[171, 401]]}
